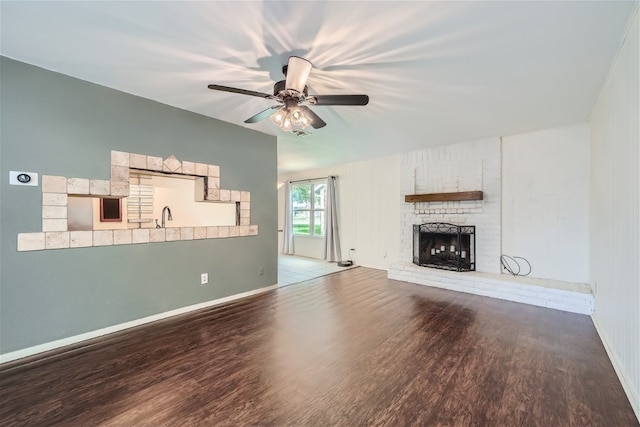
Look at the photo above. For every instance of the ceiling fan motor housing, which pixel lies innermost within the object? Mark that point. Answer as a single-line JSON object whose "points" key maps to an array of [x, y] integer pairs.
{"points": [[281, 85]]}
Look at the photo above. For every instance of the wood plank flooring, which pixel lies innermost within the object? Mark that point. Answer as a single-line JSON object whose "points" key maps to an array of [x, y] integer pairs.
{"points": [[351, 348]]}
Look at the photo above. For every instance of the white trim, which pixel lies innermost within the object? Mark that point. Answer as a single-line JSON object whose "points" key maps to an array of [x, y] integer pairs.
{"points": [[30, 351], [632, 394], [375, 267]]}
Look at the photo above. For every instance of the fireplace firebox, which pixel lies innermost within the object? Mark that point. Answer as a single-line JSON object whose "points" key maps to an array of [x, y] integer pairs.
{"points": [[445, 246]]}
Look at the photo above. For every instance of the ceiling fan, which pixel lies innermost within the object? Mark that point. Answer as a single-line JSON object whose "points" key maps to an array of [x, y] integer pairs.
{"points": [[292, 112]]}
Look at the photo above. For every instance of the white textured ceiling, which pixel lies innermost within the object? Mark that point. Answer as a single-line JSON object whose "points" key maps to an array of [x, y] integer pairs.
{"points": [[436, 72]]}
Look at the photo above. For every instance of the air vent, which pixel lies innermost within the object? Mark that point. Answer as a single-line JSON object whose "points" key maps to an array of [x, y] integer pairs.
{"points": [[300, 132]]}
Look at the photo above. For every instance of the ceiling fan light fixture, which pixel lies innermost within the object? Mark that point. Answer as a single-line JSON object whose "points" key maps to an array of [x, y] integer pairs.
{"points": [[289, 118], [277, 118], [287, 126], [299, 119]]}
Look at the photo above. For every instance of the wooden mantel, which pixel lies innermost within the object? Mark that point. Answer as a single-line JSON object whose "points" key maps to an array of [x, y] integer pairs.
{"points": [[443, 197]]}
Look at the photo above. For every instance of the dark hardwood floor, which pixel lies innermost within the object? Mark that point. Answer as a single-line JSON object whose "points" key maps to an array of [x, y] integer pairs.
{"points": [[351, 348]]}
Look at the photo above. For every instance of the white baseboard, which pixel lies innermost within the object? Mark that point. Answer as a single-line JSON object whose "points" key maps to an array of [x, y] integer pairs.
{"points": [[632, 394], [375, 267], [40, 348]]}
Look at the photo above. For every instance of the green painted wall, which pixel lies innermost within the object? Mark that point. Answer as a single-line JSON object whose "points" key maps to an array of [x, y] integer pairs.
{"points": [[57, 125]]}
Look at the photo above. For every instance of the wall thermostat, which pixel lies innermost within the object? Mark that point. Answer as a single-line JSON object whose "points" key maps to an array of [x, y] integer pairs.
{"points": [[23, 178]]}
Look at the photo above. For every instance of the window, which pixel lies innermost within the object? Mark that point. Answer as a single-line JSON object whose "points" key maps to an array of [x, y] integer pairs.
{"points": [[307, 206], [110, 210]]}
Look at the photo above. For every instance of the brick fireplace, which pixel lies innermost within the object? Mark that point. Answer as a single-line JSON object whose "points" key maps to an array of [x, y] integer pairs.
{"points": [[468, 168], [456, 174]]}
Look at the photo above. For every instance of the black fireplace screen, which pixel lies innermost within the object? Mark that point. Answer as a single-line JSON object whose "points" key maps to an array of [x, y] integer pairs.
{"points": [[445, 246]]}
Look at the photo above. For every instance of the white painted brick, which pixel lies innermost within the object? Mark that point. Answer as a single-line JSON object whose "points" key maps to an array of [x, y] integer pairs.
{"points": [[188, 168], [54, 224], [54, 199], [99, 187], [59, 212], [80, 239], [172, 234], [102, 237], [77, 186], [213, 232], [140, 235], [119, 189], [157, 235], [154, 163], [118, 174], [119, 158], [56, 240], [122, 237], [54, 184], [31, 241], [202, 169], [200, 233], [137, 161], [504, 287], [186, 233], [214, 170]]}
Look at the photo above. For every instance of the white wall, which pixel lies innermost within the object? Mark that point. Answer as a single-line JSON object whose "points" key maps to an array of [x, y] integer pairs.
{"points": [[614, 214], [545, 200], [369, 195]]}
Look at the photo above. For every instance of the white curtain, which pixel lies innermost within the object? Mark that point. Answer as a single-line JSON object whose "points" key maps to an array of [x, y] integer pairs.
{"points": [[287, 232], [331, 236]]}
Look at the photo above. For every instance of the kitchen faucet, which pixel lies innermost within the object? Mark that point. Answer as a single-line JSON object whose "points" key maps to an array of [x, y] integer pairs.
{"points": [[169, 217]]}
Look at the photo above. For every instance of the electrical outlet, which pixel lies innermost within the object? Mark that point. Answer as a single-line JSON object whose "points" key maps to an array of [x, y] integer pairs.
{"points": [[261, 271], [204, 278]]}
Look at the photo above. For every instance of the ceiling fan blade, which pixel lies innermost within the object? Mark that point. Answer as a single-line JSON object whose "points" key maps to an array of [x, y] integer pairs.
{"points": [[240, 91], [263, 114], [340, 99], [298, 70], [316, 121]]}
